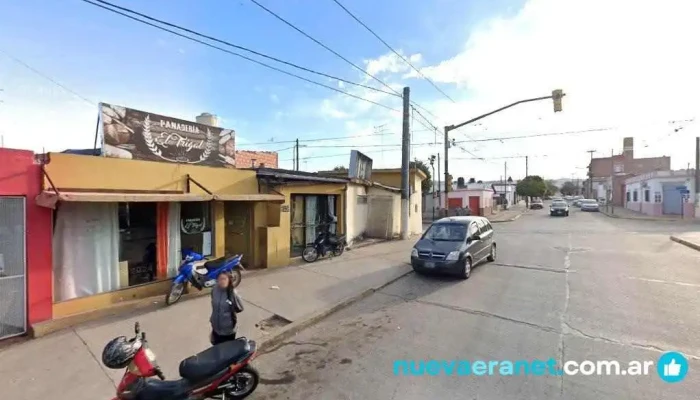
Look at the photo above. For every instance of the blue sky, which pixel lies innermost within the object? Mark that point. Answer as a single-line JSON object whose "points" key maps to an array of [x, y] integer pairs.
{"points": [[105, 57]]}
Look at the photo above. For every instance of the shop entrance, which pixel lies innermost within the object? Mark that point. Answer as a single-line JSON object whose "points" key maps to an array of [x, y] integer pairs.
{"points": [[239, 230], [137, 243], [13, 296], [310, 215]]}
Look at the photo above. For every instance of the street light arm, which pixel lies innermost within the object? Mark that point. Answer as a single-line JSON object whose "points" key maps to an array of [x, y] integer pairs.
{"points": [[453, 127]]}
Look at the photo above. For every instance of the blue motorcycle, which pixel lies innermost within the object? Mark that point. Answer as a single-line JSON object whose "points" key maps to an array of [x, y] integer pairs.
{"points": [[202, 273]]}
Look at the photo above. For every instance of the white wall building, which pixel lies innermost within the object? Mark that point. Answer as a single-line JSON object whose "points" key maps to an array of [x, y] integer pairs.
{"points": [[662, 193]]}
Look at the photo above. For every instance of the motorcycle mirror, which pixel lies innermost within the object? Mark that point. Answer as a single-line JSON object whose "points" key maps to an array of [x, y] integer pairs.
{"points": [[137, 328]]}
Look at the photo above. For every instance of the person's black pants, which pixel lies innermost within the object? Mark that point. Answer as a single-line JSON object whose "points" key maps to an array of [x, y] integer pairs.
{"points": [[216, 338]]}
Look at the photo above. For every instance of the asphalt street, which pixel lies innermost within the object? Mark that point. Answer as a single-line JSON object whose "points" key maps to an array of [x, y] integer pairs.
{"points": [[583, 287]]}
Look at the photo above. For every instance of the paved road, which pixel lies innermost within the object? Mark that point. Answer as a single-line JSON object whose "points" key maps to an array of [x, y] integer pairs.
{"points": [[586, 287]]}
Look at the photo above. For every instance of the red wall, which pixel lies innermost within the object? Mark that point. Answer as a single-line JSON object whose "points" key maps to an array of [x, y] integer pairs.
{"points": [[20, 176]]}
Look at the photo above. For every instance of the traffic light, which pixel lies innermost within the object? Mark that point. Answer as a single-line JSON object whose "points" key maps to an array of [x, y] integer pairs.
{"points": [[449, 182], [557, 94]]}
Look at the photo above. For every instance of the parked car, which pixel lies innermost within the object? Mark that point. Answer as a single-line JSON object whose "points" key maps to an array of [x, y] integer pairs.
{"points": [[577, 203], [589, 205], [559, 208], [536, 204], [454, 245]]}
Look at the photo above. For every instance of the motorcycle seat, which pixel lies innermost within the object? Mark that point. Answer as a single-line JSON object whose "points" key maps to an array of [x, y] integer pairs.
{"points": [[218, 262], [155, 389], [213, 360]]}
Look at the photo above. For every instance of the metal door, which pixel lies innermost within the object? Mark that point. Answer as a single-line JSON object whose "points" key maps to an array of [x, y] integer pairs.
{"points": [[474, 205], [13, 293], [672, 198]]}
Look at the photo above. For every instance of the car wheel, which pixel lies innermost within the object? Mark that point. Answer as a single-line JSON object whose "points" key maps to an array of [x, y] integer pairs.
{"points": [[492, 256], [467, 270], [567, 213]]}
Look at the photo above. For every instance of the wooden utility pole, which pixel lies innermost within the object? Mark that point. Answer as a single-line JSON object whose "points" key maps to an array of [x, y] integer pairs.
{"points": [[405, 163], [296, 150], [590, 176]]}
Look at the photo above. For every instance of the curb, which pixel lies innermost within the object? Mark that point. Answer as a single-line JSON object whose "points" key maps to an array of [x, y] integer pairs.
{"points": [[508, 220], [646, 218], [684, 242], [267, 345]]}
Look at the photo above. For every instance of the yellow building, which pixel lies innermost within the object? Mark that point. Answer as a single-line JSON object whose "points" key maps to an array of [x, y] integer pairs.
{"points": [[120, 224]]}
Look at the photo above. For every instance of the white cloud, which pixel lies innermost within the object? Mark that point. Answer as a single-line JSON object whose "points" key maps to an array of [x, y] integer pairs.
{"points": [[274, 98], [391, 63], [625, 64]]}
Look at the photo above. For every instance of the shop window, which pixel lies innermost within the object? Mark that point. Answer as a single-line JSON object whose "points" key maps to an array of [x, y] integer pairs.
{"points": [[646, 195], [196, 227], [657, 197], [137, 243], [311, 214], [634, 196]]}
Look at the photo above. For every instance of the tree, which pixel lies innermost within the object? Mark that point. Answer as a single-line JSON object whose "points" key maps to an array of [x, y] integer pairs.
{"points": [[479, 182], [460, 183], [340, 168], [427, 185], [568, 189], [552, 189], [531, 186], [472, 180], [510, 180]]}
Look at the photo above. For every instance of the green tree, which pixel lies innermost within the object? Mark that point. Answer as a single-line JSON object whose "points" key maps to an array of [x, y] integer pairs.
{"points": [[568, 189], [427, 185], [340, 168], [531, 186], [552, 189]]}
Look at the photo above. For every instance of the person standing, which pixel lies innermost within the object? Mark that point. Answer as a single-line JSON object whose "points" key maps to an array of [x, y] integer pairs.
{"points": [[225, 305]]}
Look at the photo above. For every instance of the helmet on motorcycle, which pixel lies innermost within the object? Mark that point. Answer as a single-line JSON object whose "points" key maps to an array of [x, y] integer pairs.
{"points": [[119, 352]]}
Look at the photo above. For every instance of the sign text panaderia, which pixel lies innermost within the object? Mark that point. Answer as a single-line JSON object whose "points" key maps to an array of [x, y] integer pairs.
{"points": [[129, 133]]}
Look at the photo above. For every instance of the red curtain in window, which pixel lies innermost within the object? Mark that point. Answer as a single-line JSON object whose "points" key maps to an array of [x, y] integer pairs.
{"points": [[162, 240]]}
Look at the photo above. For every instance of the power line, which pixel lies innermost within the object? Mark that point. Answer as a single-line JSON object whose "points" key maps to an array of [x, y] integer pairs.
{"points": [[318, 42], [536, 135], [315, 140], [257, 53], [339, 155], [392, 49], [241, 56], [48, 78]]}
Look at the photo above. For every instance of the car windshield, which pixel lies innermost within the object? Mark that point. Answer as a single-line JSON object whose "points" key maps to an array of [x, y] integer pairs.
{"points": [[559, 203], [446, 232], [588, 201]]}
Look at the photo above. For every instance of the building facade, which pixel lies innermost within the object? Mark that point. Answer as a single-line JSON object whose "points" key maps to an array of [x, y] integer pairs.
{"points": [[662, 193], [256, 159]]}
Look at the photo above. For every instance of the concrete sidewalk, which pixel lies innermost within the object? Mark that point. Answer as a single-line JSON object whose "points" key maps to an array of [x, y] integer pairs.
{"points": [[66, 365], [511, 214], [625, 213]]}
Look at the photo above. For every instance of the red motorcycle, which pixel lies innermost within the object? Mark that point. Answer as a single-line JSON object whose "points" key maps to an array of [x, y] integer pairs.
{"points": [[220, 372]]}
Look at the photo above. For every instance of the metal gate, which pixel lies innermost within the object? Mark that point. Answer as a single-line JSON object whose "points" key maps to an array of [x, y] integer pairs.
{"points": [[13, 292], [672, 199]]}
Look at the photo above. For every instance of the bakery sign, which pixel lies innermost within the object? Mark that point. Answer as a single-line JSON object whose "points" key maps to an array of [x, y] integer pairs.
{"points": [[140, 135]]}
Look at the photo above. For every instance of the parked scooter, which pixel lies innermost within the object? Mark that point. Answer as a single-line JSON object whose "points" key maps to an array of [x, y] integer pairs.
{"points": [[220, 372], [325, 242], [202, 273]]}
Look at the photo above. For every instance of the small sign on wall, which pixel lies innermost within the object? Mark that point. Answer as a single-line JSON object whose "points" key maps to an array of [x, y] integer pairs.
{"points": [[284, 208]]}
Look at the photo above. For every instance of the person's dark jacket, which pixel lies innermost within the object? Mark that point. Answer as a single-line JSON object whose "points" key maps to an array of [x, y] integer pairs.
{"points": [[225, 304]]}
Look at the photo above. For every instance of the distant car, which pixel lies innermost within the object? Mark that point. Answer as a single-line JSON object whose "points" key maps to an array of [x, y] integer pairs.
{"points": [[589, 205], [559, 208], [577, 203], [536, 204], [454, 245]]}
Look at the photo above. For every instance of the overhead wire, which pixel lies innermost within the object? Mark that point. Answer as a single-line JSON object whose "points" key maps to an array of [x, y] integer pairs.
{"points": [[313, 140], [318, 42], [241, 56], [392, 49], [239, 47]]}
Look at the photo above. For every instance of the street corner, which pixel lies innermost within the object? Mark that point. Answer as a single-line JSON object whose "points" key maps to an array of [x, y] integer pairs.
{"points": [[690, 240]]}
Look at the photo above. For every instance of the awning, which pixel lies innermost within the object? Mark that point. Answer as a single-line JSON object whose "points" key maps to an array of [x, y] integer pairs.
{"points": [[276, 198], [50, 198]]}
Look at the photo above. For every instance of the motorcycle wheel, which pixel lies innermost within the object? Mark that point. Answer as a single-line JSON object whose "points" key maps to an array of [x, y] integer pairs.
{"points": [[236, 277], [339, 250], [175, 293], [310, 254], [243, 383]]}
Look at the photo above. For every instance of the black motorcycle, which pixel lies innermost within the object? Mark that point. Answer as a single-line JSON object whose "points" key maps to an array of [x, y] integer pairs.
{"points": [[325, 243]]}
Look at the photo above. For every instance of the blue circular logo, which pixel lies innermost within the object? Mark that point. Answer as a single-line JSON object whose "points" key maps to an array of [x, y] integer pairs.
{"points": [[672, 367]]}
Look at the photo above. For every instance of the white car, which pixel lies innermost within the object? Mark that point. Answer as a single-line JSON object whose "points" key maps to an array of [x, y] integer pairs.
{"points": [[589, 205]]}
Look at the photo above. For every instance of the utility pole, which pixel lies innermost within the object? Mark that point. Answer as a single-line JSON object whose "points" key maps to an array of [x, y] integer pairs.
{"points": [[439, 196], [432, 166], [612, 181], [296, 149], [527, 199], [447, 167], [590, 176], [505, 181], [405, 163], [697, 177]]}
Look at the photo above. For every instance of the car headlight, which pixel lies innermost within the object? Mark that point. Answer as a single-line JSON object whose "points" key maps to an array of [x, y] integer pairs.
{"points": [[453, 256], [414, 253]]}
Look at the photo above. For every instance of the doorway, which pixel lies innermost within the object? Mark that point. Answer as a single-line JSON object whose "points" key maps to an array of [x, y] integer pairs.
{"points": [[474, 205], [311, 214], [239, 230], [13, 267]]}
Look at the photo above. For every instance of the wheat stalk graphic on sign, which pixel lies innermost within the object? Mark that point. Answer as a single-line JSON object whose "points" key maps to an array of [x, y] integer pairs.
{"points": [[148, 137]]}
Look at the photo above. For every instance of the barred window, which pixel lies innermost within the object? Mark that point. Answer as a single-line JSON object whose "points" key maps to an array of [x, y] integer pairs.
{"points": [[657, 197], [646, 195]]}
